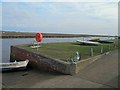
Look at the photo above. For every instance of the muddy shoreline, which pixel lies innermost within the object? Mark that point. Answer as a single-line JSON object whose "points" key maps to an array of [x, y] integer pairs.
{"points": [[5, 34]]}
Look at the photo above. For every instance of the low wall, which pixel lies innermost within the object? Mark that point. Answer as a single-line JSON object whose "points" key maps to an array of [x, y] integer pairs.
{"points": [[48, 63], [40, 61]]}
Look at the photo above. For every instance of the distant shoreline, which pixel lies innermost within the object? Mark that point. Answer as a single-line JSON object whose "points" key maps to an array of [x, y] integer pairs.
{"points": [[45, 35]]}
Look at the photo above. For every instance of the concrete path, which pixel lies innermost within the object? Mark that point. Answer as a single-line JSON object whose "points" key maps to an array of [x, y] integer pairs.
{"points": [[103, 73]]}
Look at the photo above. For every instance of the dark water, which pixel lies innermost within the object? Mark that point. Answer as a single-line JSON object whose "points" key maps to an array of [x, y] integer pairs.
{"points": [[6, 43]]}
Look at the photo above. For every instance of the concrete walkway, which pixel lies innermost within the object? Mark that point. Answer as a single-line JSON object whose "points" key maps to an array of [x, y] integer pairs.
{"points": [[103, 73]]}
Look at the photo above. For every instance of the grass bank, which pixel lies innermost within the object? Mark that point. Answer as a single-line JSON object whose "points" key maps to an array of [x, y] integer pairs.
{"points": [[63, 51]]}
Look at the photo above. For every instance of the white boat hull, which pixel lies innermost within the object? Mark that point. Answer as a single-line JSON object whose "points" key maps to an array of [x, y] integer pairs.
{"points": [[88, 42], [14, 64], [35, 46]]}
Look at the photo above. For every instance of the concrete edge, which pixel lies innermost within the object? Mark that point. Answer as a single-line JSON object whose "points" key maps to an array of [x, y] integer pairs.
{"points": [[70, 67], [80, 65]]}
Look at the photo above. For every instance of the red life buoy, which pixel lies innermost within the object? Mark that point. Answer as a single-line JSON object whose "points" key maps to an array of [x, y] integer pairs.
{"points": [[38, 37]]}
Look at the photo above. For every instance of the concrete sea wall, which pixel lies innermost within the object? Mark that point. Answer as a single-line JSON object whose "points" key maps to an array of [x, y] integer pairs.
{"points": [[47, 63]]}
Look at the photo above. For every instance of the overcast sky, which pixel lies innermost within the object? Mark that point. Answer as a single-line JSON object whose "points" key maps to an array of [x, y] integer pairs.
{"points": [[61, 17]]}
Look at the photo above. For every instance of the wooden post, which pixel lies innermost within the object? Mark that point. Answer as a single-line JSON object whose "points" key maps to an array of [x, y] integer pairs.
{"points": [[109, 47], [101, 49], [91, 52], [115, 45], [37, 46]]}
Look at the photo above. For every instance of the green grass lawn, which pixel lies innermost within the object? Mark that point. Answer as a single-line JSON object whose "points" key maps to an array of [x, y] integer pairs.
{"points": [[64, 51]]}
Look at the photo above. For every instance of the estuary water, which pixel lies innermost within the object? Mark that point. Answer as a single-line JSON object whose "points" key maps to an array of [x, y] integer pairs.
{"points": [[6, 43]]}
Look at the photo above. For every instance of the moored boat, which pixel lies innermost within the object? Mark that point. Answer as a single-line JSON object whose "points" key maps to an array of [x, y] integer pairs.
{"points": [[105, 41], [88, 43], [95, 39], [14, 65]]}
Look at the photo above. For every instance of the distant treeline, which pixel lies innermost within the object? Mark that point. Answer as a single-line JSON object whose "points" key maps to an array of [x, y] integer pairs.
{"points": [[5, 34]]}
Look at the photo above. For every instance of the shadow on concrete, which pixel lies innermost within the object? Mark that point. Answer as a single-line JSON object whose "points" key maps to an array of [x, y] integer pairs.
{"points": [[26, 78]]}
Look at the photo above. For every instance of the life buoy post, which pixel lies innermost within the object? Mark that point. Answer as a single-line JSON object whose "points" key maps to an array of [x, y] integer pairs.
{"points": [[39, 38]]}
